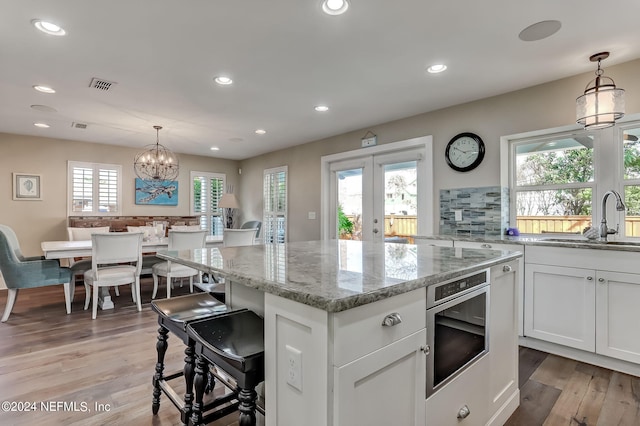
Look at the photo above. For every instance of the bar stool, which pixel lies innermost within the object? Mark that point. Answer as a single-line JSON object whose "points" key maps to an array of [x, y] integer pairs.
{"points": [[234, 342], [173, 316]]}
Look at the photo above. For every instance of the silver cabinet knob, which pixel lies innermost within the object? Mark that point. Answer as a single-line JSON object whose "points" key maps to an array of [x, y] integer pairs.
{"points": [[391, 320], [375, 230], [601, 280], [506, 268], [464, 412], [590, 278], [426, 349], [486, 246]]}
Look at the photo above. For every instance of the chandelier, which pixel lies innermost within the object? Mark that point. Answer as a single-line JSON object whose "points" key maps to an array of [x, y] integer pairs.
{"points": [[156, 163], [602, 103]]}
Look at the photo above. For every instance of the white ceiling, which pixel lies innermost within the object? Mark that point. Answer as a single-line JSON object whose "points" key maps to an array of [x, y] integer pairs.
{"points": [[285, 57]]}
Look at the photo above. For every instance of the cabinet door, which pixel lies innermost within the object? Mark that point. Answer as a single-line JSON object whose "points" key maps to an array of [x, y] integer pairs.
{"points": [[560, 305], [385, 387], [503, 336], [617, 315], [520, 277]]}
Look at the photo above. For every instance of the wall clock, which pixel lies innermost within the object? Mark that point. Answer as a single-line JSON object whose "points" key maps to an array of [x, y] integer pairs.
{"points": [[464, 152]]}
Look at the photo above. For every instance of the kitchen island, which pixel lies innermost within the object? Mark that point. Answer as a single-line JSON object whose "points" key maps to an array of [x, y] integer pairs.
{"points": [[346, 329]]}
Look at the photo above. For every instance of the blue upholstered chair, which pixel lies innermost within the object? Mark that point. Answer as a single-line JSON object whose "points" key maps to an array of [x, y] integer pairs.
{"points": [[253, 224], [28, 272]]}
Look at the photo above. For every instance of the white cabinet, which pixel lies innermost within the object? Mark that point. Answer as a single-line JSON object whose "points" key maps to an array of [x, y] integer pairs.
{"points": [[503, 337], [385, 387], [618, 315], [585, 299], [463, 400], [379, 370], [520, 276], [560, 305]]}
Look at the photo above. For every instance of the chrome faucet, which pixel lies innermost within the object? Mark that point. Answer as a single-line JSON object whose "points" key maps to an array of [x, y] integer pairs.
{"points": [[604, 229]]}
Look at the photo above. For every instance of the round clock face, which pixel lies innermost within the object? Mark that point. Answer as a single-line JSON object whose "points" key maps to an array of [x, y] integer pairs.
{"points": [[464, 152]]}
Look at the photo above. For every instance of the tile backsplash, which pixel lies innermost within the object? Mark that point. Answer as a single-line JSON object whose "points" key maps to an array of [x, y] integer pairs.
{"points": [[474, 212]]}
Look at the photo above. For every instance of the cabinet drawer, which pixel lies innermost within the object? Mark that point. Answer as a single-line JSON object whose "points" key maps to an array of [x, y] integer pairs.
{"points": [[359, 331]]}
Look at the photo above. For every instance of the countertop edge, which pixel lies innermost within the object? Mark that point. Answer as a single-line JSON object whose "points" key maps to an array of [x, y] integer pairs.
{"points": [[536, 241], [350, 302]]}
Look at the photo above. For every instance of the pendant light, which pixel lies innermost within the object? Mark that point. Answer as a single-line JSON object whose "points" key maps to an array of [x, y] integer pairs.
{"points": [[156, 163], [602, 103]]}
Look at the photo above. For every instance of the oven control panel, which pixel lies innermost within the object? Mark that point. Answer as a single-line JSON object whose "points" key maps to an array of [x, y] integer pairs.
{"points": [[458, 286]]}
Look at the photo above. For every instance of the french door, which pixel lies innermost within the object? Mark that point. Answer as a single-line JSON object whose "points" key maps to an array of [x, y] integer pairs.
{"points": [[383, 195]]}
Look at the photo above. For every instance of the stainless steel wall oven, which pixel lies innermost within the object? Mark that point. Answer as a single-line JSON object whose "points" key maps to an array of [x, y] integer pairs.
{"points": [[457, 327]]}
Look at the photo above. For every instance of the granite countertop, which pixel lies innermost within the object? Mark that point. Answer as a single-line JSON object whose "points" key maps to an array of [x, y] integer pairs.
{"points": [[548, 241], [338, 275]]}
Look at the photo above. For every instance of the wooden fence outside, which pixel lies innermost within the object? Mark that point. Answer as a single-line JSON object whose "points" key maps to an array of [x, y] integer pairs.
{"points": [[569, 224], [405, 226]]}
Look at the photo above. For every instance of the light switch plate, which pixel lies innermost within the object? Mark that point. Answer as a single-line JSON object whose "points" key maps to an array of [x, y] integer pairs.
{"points": [[312, 215]]}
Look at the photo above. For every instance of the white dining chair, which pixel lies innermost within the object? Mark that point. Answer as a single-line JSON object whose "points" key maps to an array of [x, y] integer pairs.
{"points": [[148, 260], [238, 237], [81, 265], [116, 259], [178, 240], [230, 238]]}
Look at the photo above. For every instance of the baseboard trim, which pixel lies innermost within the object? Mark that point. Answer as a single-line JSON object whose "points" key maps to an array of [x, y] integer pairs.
{"points": [[582, 356]]}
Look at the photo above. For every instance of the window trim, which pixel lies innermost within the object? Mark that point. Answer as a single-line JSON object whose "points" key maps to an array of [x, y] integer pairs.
{"points": [[95, 167]]}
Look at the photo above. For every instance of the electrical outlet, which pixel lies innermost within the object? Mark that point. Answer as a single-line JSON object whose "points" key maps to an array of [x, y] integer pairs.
{"points": [[458, 215], [312, 215], [294, 367]]}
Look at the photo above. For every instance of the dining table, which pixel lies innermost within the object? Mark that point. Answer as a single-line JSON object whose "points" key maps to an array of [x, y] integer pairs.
{"points": [[82, 248]]}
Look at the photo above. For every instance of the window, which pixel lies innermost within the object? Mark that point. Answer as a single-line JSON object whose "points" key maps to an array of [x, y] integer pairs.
{"points": [[207, 191], [631, 180], [95, 189], [275, 205], [558, 180], [554, 183]]}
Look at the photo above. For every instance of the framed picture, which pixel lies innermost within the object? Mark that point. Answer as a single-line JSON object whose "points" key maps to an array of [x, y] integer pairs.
{"points": [[163, 193], [26, 186]]}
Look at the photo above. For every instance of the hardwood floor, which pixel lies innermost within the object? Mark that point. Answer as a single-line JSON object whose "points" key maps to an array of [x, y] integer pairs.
{"points": [[56, 358], [561, 391]]}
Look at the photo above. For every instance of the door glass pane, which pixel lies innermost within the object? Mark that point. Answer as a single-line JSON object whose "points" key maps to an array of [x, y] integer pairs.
{"points": [[350, 204], [400, 201]]}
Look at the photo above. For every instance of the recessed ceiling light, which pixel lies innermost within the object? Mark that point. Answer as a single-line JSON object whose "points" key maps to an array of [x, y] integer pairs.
{"points": [[44, 89], [43, 108], [215, 148], [335, 7], [321, 108], [48, 27], [223, 81], [540, 30], [42, 125], [260, 131], [434, 69]]}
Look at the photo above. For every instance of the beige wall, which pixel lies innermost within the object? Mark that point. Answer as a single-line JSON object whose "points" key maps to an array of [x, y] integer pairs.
{"points": [[541, 107], [36, 221], [545, 106]]}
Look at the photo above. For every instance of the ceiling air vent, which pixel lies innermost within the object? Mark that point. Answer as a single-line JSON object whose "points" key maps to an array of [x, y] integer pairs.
{"points": [[100, 84], [78, 125]]}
